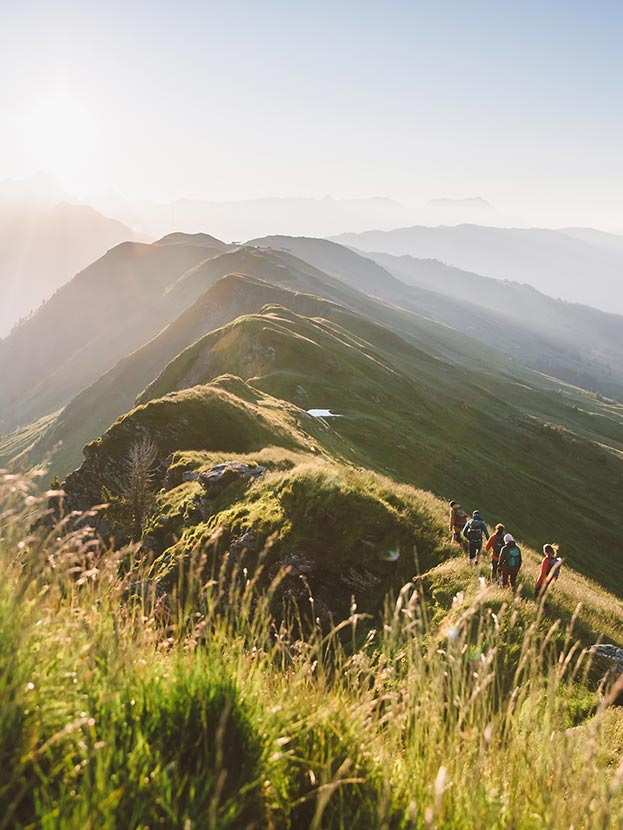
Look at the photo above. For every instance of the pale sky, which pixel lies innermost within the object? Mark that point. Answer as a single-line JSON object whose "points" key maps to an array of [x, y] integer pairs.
{"points": [[518, 102]]}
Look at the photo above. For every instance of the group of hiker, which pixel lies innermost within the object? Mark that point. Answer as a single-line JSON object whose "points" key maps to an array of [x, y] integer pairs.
{"points": [[506, 558]]}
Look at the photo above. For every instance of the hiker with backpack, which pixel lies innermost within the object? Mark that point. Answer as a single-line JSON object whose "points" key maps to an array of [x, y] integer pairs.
{"points": [[458, 520], [550, 569], [495, 543], [473, 532], [509, 562]]}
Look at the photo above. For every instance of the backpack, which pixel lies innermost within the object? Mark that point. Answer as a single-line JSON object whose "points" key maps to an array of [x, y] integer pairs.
{"points": [[514, 557], [498, 544], [553, 572], [474, 532], [460, 517]]}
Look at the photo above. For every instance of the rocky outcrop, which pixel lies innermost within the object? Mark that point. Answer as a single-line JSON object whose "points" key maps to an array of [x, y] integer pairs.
{"points": [[607, 662], [609, 656], [219, 476]]}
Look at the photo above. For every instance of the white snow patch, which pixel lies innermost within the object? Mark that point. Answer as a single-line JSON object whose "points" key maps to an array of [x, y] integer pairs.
{"points": [[323, 413]]}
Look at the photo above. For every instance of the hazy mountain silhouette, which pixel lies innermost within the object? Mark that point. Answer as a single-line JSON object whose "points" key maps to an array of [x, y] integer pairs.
{"points": [[41, 246], [102, 314], [472, 210], [584, 268], [237, 220], [40, 190]]}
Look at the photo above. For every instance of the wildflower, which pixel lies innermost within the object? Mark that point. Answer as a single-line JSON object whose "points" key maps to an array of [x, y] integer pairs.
{"points": [[457, 600], [440, 781]]}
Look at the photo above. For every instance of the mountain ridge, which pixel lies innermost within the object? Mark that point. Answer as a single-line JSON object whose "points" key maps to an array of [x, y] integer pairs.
{"points": [[553, 261], [574, 343]]}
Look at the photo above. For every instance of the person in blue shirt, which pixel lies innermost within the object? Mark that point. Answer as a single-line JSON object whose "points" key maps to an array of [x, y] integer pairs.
{"points": [[473, 532]]}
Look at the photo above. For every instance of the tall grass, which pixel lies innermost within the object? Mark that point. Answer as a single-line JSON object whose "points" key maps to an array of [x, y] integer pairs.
{"points": [[123, 708]]}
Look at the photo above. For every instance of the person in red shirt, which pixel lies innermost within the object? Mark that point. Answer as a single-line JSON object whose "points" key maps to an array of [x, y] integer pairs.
{"points": [[550, 569], [495, 543]]}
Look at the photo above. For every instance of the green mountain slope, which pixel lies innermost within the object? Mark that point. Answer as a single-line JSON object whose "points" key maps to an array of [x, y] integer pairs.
{"points": [[405, 414], [96, 407], [351, 267], [93, 409], [574, 343], [570, 341], [282, 276]]}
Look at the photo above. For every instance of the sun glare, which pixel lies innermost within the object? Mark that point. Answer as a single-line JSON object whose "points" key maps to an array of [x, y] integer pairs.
{"points": [[57, 126]]}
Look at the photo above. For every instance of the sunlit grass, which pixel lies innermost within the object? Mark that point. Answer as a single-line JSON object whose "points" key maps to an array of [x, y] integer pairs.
{"points": [[122, 709]]}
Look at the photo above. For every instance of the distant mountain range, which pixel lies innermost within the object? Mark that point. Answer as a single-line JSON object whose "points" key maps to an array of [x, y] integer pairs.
{"points": [[575, 264], [237, 220], [43, 242], [324, 216]]}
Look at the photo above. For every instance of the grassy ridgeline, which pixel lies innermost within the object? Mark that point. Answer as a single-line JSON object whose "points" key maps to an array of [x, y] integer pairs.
{"points": [[453, 711]]}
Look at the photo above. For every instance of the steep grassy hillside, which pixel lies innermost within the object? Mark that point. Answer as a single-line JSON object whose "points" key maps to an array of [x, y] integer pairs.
{"points": [[350, 267], [227, 415], [407, 415], [350, 532], [97, 406], [102, 314]]}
